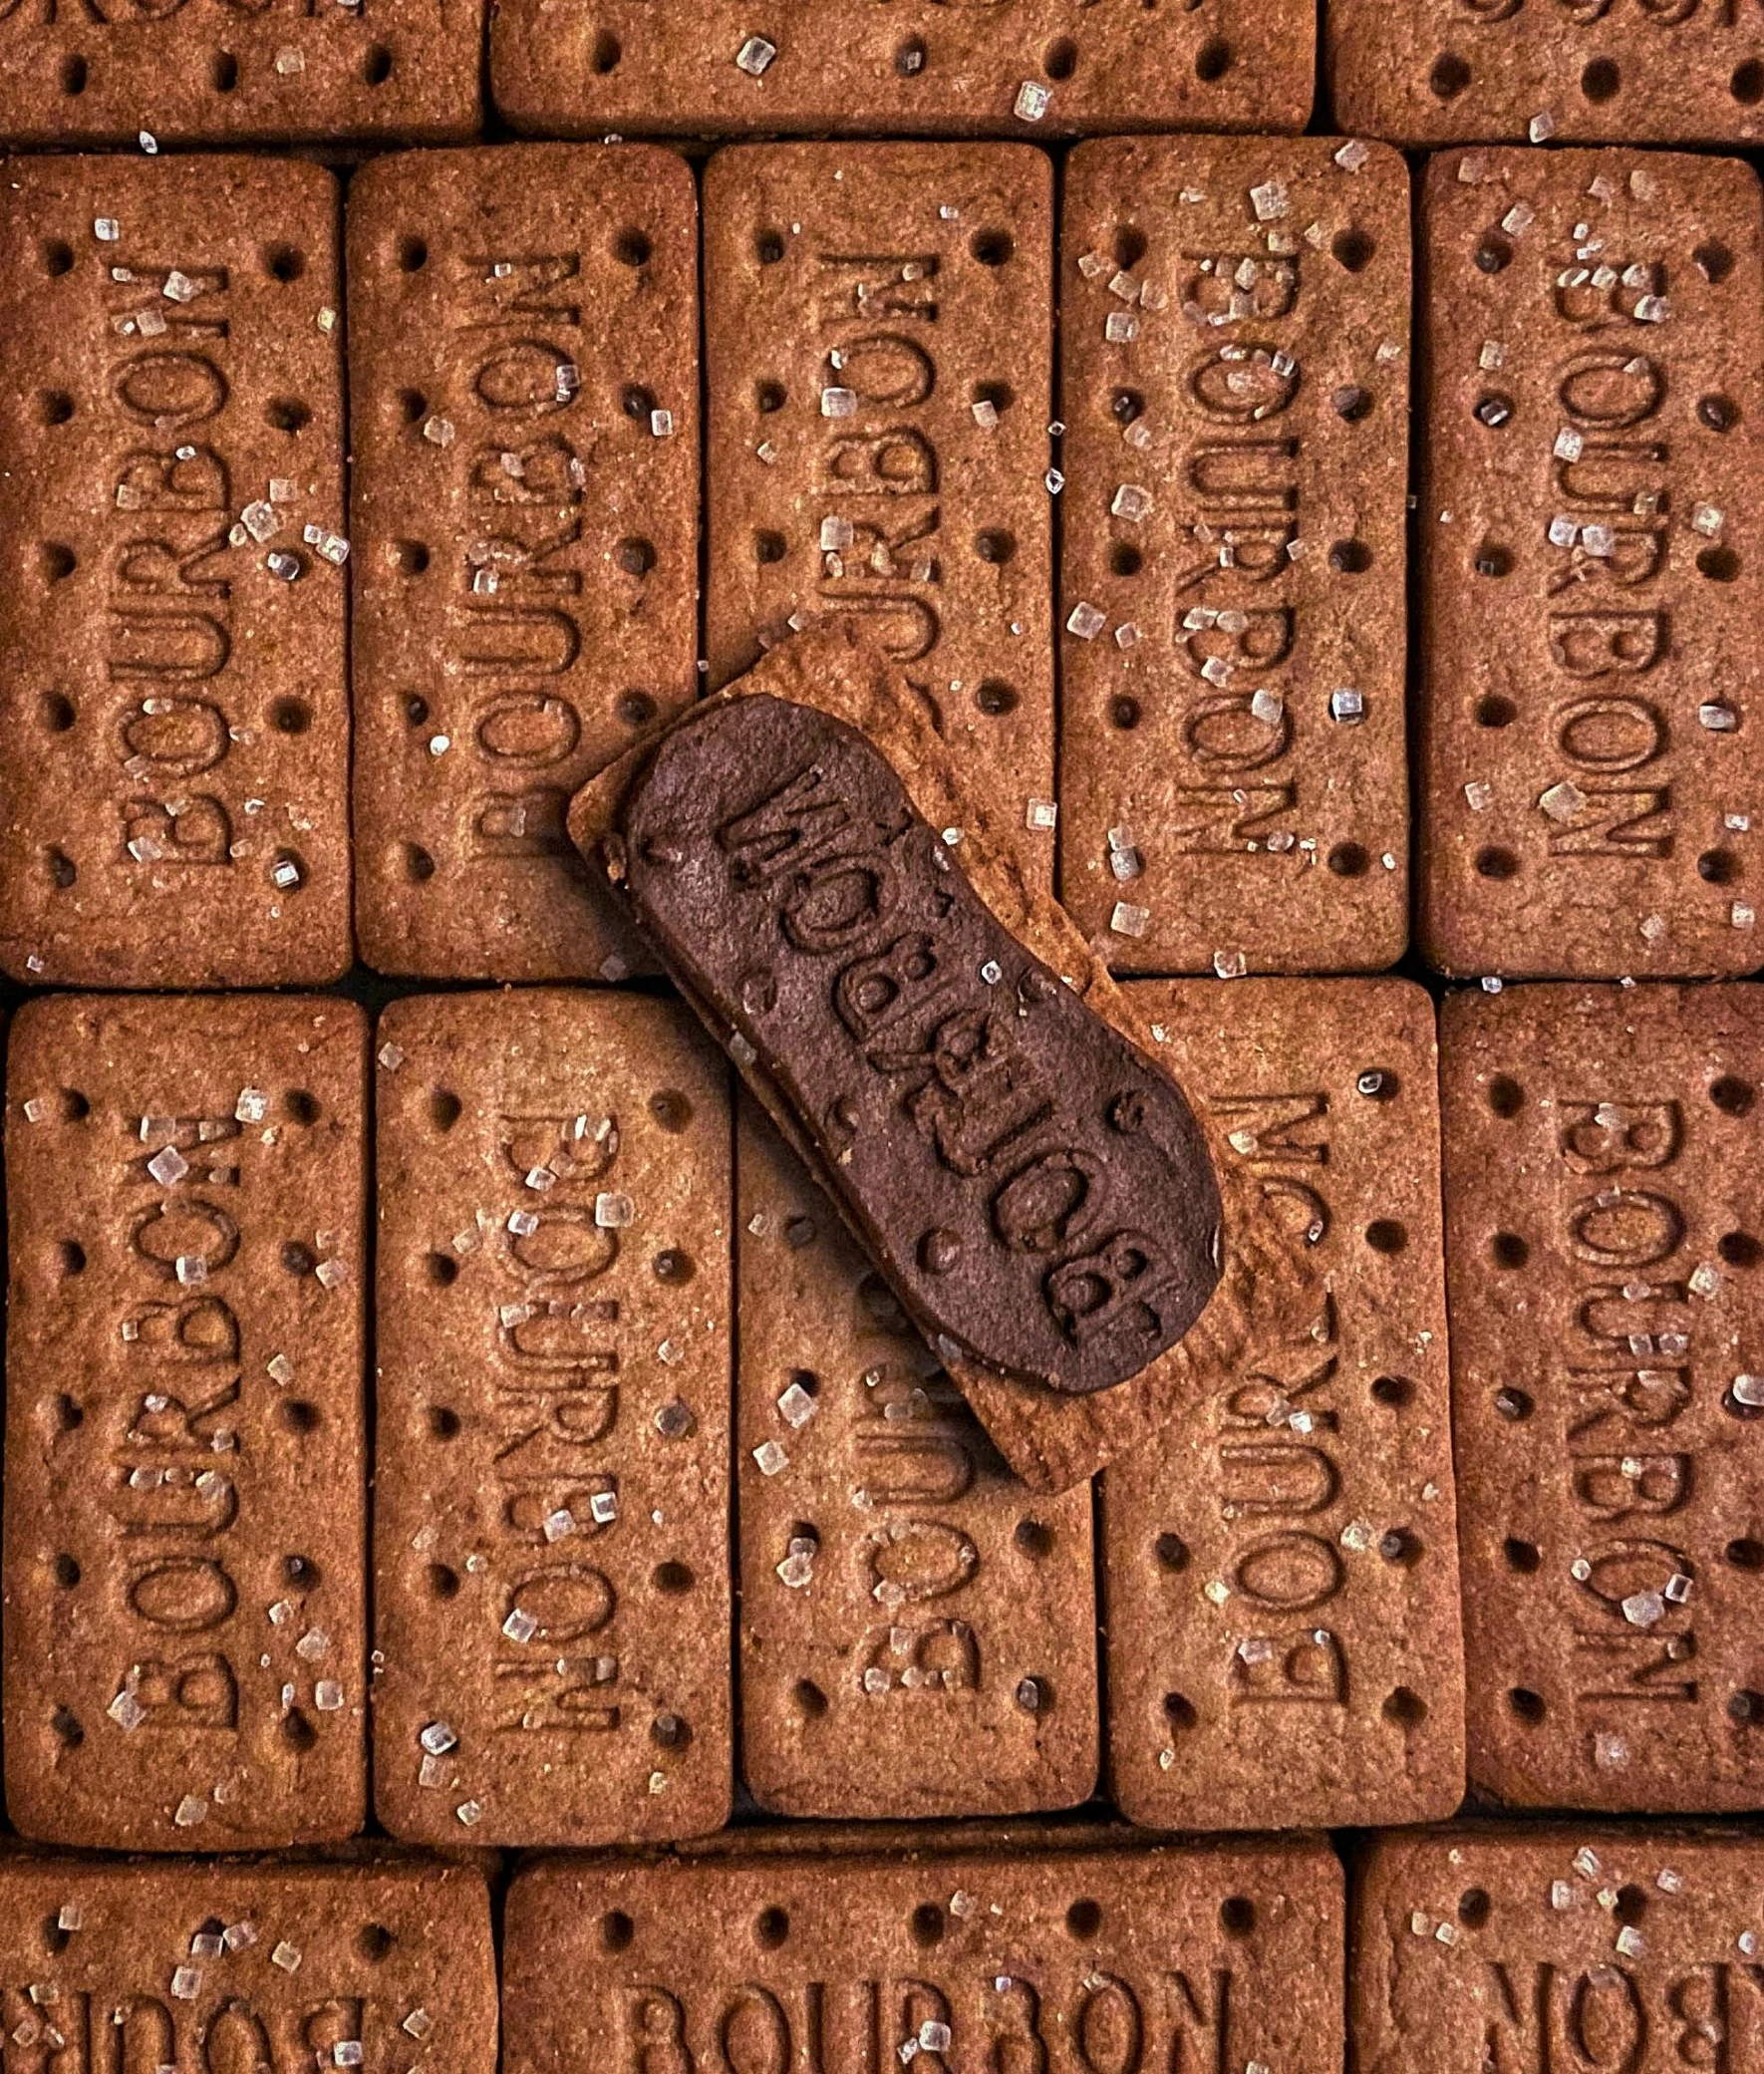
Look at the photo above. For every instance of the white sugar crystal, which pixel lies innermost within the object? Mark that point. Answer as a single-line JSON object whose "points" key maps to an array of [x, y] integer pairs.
{"points": [[192, 1270], [260, 520], [558, 1525], [469, 1813], [327, 1697], [796, 1406], [1346, 705], [1569, 444], [1562, 1893], [1131, 502], [1480, 795], [1352, 156], [1128, 920], [439, 1738], [754, 55], [1542, 127], [1269, 708], [193, 1808], [770, 1459], [837, 534], [418, 2023], [71, 1916], [169, 1166], [603, 1508], [613, 1210], [985, 414], [1742, 915], [1086, 621], [1718, 719], [1629, 1942], [252, 1106], [1120, 328], [313, 1644], [1748, 1389], [126, 1711], [661, 424], [105, 230], [1519, 219], [1269, 201], [838, 402], [347, 2052], [390, 1055], [186, 1981], [1708, 519], [1562, 800], [524, 1223], [331, 1274], [1492, 355], [1643, 1608], [1032, 102], [1652, 309], [287, 1956], [1041, 815], [520, 1626]]}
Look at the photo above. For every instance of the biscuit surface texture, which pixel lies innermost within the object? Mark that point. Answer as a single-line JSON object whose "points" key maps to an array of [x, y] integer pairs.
{"points": [[523, 338], [1282, 1569], [186, 1443], [1602, 1240], [1588, 564], [1235, 344], [917, 1636], [173, 700], [552, 1537]]}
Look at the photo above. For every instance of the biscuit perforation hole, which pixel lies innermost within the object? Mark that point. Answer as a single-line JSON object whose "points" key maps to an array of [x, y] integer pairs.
{"points": [[1525, 1706], [1493, 255], [1739, 1249], [1495, 561], [413, 406], [1387, 1235], [68, 1414], [1179, 1710], [604, 54], [290, 716], [55, 1940], [55, 406], [674, 1266], [223, 72], [768, 246], [300, 1573], [1513, 1404], [1237, 1916], [992, 247], [301, 1106], [1746, 1707], [1123, 712], [1496, 863], [995, 544], [442, 1270], [671, 1110], [768, 396], [1718, 564], [1496, 712], [616, 1931], [1000, 394], [1600, 80], [75, 71], [1508, 1250], [1084, 1919], [1474, 1908], [1351, 557], [1060, 59], [374, 1941], [56, 255], [635, 555], [1211, 61], [1350, 860], [300, 1417], [1171, 1552], [284, 263], [57, 560], [1404, 1707], [1035, 1538], [925, 1925], [770, 1927], [995, 697], [445, 1108], [1352, 248], [1747, 84], [59, 868], [1719, 868], [1449, 76], [672, 1578], [1631, 1905], [70, 1259], [418, 863], [1719, 413], [413, 254], [297, 1732], [65, 1726], [65, 1571], [444, 1422], [768, 546], [409, 557], [286, 414], [1393, 1390], [1522, 1556], [1125, 406], [1130, 246], [1504, 1095], [1124, 559], [670, 1731], [444, 1583], [1746, 1552], [631, 247], [810, 1700], [636, 709], [1713, 260]]}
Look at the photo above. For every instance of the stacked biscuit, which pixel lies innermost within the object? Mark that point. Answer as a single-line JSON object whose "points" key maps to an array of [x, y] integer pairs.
{"points": [[446, 1418]]}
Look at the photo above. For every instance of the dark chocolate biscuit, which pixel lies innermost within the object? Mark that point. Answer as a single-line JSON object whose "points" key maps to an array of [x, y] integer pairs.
{"points": [[1038, 1191]]}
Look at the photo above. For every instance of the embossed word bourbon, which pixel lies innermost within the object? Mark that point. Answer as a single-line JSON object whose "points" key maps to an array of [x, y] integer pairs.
{"points": [[1037, 1191], [878, 323], [525, 368], [1236, 351], [1589, 564], [552, 1527], [1583, 1947], [172, 785], [1083, 1961], [1283, 1617], [280, 1966], [1601, 1238], [184, 1458], [917, 1636]]}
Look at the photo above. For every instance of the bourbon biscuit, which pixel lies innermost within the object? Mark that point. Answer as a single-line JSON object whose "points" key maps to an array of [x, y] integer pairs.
{"points": [[1448, 71], [552, 1536], [173, 706], [208, 72], [879, 335], [1233, 783], [1036, 69], [915, 1637], [185, 1441], [1493, 1947], [1211, 1955], [1281, 1572], [1603, 1243], [524, 342], [1591, 563], [1051, 1437], [374, 1963]]}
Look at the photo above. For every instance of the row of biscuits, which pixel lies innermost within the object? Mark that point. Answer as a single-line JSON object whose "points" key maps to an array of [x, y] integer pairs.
{"points": [[1226, 789], [579, 1249], [401, 71], [1442, 1951]]}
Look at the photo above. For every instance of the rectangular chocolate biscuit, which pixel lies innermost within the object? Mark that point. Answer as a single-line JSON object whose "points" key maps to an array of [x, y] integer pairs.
{"points": [[552, 1531], [370, 1962], [1035, 69], [1169, 1957], [1607, 1329], [174, 705], [879, 325], [203, 72], [186, 1515], [1454, 71], [1592, 563], [1111, 1223], [524, 386], [1484, 1947], [918, 1636], [1282, 1569], [1233, 793]]}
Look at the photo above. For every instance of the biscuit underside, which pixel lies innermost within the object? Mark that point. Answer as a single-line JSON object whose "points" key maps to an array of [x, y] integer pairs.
{"points": [[1050, 1441]]}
